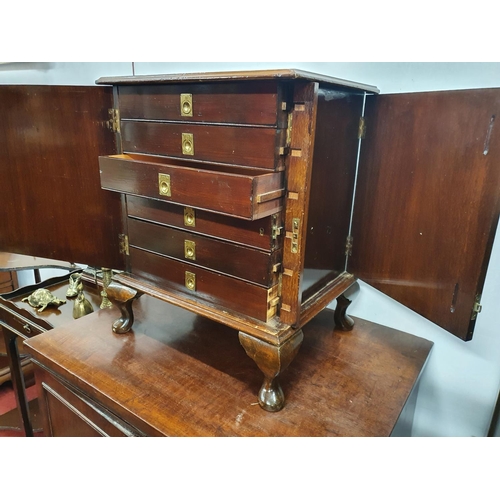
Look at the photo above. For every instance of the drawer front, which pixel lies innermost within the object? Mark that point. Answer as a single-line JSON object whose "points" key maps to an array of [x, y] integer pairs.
{"points": [[234, 260], [247, 146], [251, 196], [256, 103], [257, 234], [208, 286], [25, 328], [71, 413]]}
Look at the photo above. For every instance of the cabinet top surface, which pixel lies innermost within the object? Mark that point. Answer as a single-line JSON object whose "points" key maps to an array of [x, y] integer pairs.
{"points": [[228, 76]]}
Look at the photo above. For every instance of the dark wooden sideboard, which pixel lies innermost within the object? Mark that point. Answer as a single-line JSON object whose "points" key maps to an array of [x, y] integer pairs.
{"points": [[165, 378], [20, 321]]}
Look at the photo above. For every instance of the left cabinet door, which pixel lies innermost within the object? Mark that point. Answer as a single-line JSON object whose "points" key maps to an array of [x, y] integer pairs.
{"points": [[52, 204]]}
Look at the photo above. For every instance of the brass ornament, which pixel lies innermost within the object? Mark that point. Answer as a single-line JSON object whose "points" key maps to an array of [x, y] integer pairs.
{"points": [[107, 275], [81, 305], [42, 298], [74, 279]]}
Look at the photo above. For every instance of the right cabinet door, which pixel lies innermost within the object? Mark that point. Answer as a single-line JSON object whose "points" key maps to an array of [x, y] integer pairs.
{"points": [[427, 201]]}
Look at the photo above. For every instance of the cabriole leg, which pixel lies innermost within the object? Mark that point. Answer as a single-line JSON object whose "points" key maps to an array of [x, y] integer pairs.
{"points": [[272, 361], [342, 320], [123, 297]]}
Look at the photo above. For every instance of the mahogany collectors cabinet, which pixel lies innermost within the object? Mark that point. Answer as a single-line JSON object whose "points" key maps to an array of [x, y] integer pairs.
{"points": [[257, 198]]}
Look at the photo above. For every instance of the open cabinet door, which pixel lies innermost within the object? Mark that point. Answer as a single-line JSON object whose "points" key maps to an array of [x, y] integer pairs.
{"points": [[427, 201], [51, 201]]}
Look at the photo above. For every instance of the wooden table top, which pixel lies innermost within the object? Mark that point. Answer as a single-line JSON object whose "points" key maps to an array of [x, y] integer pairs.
{"points": [[179, 374]]}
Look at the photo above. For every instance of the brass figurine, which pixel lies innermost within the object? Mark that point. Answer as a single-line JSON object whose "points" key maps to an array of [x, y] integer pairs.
{"points": [[81, 306], [107, 275], [74, 280], [42, 298]]}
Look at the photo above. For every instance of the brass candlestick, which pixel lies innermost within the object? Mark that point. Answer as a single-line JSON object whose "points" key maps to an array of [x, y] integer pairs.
{"points": [[107, 275]]}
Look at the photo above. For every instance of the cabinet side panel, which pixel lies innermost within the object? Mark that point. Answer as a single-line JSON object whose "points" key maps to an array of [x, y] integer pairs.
{"points": [[52, 204], [428, 201]]}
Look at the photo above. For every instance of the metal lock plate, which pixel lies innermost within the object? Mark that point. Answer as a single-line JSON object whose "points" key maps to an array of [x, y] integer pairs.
{"points": [[186, 105], [187, 144], [164, 185]]}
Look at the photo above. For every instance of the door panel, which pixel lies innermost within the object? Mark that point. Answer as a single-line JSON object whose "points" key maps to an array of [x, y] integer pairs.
{"points": [[427, 201], [51, 201]]}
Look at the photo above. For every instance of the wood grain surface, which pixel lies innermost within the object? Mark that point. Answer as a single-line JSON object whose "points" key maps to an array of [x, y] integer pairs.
{"points": [[428, 202], [178, 374]]}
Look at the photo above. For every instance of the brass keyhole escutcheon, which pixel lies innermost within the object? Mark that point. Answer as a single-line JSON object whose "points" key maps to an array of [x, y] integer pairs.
{"points": [[190, 281], [164, 184], [187, 144], [186, 105]]}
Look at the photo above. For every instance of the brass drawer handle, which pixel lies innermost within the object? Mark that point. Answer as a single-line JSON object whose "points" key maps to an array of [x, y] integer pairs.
{"points": [[189, 249], [190, 280], [189, 217], [27, 328], [164, 184], [186, 105], [187, 144]]}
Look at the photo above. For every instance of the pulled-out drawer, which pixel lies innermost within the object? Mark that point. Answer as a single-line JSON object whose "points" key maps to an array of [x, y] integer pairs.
{"points": [[211, 287], [261, 233], [245, 193], [246, 103], [257, 147], [241, 262]]}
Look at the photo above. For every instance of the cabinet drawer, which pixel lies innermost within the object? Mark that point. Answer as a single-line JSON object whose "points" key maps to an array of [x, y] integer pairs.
{"points": [[252, 195], [216, 289], [258, 233], [234, 260], [247, 146], [247, 103], [24, 327]]}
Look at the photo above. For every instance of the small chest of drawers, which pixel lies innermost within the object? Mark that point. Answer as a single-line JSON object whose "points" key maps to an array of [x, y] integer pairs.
{"points": [[223, 178]]}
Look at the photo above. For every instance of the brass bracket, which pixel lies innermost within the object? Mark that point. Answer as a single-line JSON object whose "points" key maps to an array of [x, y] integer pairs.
{"points": [[190, 280], [164, 185], [186, 105], [114, 120], [189, 217], [295, 235], [187, 144], [123, 244], [189, 249]]}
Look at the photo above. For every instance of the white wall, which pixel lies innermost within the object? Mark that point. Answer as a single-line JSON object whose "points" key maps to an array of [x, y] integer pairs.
{"points": [[460, 384]]}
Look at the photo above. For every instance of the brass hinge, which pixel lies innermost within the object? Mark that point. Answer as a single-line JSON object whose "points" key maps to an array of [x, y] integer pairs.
{"points": [[123, 243], [295, 235], [348, 246], [477, 307], [114, 120], [361, 128]]}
